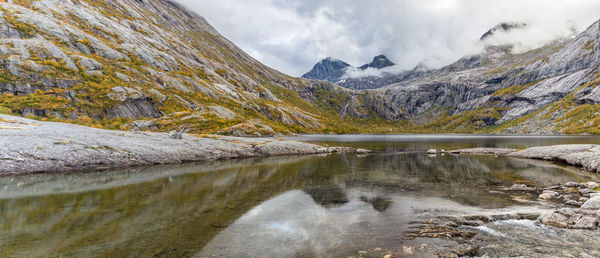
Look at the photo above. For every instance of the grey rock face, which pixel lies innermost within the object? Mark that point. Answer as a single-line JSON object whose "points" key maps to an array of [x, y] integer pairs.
{"points": [[167, 54], [133, 104]]}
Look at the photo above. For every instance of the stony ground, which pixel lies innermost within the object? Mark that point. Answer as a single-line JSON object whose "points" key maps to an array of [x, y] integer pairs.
{"points": [[29, 146]]}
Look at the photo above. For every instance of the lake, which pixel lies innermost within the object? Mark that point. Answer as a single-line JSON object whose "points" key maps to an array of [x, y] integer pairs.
{"points": [[296, 206]]}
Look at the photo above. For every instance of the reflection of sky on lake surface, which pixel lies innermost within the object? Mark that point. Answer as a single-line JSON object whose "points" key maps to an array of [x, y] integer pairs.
{"points": [[321, 205], [292, 223]]}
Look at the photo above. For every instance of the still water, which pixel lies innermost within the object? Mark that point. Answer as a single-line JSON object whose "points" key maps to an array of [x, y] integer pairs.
{"points": [[295, 206]]}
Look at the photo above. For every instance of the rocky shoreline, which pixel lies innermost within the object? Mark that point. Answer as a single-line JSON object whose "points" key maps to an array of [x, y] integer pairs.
{"points": [[579, 203], [30, 146], [586, 156]]}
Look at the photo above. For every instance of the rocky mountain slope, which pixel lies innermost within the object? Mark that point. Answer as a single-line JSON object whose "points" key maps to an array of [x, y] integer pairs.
{"points": [[151, 64], [548, 90]]}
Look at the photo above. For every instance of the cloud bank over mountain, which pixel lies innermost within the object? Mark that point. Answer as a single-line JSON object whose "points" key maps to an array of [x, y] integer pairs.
{"points": [[292, 35]]}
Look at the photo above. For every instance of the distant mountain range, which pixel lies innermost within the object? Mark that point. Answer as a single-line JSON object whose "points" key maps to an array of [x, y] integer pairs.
{"points": [[341, 73]]}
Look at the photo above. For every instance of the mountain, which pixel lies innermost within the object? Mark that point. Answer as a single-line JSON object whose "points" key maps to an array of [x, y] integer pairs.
{"points": [[369, 76], [147, 65], [379, 62], [552, 89], [328, 69], [153, 65], [503, 27]]}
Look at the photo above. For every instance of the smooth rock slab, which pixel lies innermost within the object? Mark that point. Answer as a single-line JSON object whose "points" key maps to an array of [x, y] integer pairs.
{"points": [[29, 146], [582, 155]]}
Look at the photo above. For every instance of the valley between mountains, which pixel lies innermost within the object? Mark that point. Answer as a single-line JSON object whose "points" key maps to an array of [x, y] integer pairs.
{"points": [[153, 65]]}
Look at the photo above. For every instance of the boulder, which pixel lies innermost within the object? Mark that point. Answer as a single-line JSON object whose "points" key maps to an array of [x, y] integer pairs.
{"points": [[591, 185], [547, 194], [592, 203], [572, 184], [520, 187], [586, 223], [560, 218]]}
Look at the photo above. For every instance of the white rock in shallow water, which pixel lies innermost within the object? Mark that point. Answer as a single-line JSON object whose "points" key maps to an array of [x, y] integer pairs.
{"points": [[362, 151], [591, 185], [556, 219], [572, 184], [432, 151], [521, 187], [548, 195], [592, 203]]}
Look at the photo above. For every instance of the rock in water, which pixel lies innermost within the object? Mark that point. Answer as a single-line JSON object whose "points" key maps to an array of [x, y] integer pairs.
{"points": [[520, 187], [592, 203], [548, 195]]}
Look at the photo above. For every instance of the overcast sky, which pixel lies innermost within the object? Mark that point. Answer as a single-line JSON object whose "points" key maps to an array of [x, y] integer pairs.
{"points": [[292, 35]]}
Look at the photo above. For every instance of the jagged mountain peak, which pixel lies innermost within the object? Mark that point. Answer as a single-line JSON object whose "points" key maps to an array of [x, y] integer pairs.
{"points": [[328, 69], [503, 28], [345, 75], [379, 62]]}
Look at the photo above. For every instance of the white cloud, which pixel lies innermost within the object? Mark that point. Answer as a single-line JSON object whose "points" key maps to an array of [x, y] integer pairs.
{"points": [[292, 35], [353, 72]]}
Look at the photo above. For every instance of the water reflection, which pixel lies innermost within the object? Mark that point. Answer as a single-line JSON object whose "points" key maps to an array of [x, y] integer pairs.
{"points": [[310, 205]]}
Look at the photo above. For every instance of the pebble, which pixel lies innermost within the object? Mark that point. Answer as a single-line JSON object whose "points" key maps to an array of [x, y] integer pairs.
{"points": [[408, 250]]}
